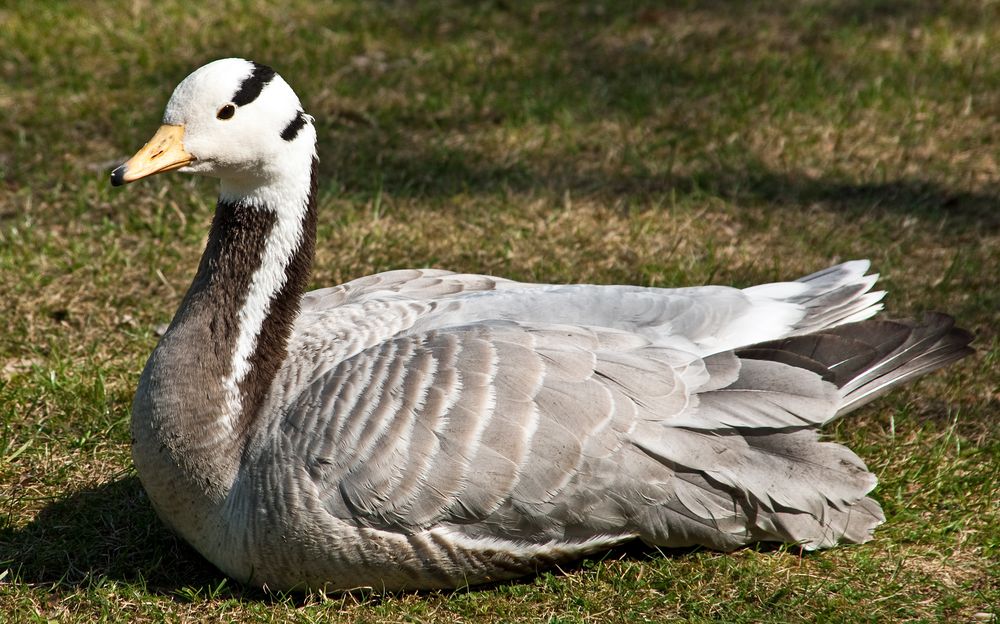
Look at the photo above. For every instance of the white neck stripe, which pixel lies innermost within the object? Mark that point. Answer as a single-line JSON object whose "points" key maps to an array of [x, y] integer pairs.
{"points": [[289, 202]]}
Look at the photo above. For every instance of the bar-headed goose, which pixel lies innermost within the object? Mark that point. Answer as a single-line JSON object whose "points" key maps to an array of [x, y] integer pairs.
{"points": [[425, 429]]}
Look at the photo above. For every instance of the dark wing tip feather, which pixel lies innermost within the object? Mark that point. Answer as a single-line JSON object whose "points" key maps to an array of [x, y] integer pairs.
{"points": [[868, 358]]}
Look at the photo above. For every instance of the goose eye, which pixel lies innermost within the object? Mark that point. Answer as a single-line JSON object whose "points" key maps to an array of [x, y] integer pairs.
{"points": [[226, 111]]}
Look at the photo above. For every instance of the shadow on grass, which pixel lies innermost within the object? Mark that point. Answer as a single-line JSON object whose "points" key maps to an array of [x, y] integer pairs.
{"points": [[110, 532], [107, 532], [412, 170]]}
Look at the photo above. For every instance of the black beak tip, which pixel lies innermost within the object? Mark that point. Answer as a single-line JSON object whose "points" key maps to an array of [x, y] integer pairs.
{"points": [[118, 176]]}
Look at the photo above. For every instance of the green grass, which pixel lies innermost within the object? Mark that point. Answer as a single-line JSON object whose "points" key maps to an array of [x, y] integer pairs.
{"points": [[634, 142]]}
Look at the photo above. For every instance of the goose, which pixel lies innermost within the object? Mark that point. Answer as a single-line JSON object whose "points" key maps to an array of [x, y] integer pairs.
{"points": [[423, 429]]}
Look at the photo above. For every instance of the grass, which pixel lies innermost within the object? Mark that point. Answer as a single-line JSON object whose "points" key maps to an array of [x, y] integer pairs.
{"points": [[635, 142]]}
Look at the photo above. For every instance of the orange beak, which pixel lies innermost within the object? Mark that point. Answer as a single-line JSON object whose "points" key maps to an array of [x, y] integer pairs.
{"points": [[164, 152]]}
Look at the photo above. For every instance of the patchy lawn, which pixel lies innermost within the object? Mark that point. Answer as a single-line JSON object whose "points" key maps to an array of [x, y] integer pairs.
{"points": [[636, 142]]}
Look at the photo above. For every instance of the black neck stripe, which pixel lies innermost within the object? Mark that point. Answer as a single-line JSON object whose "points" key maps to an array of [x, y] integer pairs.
{"points": [[253, 85], [292, 129]]}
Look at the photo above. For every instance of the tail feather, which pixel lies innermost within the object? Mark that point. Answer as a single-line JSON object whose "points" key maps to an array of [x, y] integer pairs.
{"points": [[837, 295], [756, 442]]}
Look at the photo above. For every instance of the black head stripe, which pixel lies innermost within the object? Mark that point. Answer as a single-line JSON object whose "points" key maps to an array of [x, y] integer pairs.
{"points": [[292, 129], [253, 85]]}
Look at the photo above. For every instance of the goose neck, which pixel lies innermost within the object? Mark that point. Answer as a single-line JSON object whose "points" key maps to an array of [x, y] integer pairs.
{"points": [[200, 394]]}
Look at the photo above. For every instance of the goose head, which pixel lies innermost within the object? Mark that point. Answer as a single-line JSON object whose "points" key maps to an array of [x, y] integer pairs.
{"points": [[232, 119]]}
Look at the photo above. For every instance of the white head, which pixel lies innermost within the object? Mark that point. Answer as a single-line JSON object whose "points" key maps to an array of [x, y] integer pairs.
{"points": [[231, 119]]}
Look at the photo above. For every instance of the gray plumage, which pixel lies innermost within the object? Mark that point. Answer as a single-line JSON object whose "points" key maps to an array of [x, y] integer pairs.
{"points": [[426, 429], [490, 446]]}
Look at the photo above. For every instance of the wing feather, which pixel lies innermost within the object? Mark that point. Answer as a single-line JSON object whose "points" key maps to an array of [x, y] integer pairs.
{"points": [[533, 412]]}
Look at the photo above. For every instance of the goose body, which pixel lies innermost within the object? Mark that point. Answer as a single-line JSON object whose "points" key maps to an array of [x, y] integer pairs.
{"points": [[426, 429]]}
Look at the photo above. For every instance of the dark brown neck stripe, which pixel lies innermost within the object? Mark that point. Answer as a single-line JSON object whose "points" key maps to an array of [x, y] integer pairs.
{"points": [[272, 343], [233, 254]]}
